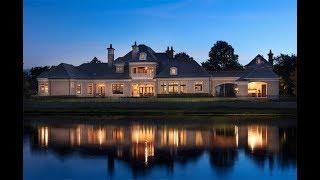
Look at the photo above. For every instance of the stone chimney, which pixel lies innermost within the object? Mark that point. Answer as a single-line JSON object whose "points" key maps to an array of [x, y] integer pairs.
{"points": [[170, 52], [135, 50], [110, 55], [270, 59]]}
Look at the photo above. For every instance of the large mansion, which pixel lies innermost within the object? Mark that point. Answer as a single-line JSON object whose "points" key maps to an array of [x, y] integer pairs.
{"points": [[144, 72]]}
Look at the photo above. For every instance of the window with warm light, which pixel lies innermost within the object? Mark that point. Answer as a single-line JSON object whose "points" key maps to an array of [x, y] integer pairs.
{"points": [[182, 87], [173, 71], [163, 88], [198, 87], [90, 88], [258, 61], [117, 88], [78, 89], [173, 87], [119, 69], [44, 88], [143, 56]]}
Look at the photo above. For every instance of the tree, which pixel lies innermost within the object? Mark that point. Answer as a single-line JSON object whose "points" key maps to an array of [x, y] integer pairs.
{"points": [[32, 77], [95, 60], [182, 56], [285, 66], [221, 58], [26, 85]]}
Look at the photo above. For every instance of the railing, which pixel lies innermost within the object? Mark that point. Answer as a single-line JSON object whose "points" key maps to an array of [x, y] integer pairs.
{"points": [[142, 76]]}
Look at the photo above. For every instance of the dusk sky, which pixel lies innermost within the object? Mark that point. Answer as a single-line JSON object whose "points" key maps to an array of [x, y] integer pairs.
{"points": [[75, 31]]}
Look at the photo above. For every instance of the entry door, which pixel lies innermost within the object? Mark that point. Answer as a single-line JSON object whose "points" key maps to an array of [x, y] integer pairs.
{"points": [[264, 90]]}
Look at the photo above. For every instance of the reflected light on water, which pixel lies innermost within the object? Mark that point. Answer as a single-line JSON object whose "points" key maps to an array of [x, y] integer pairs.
{"points": [[43, 136], [257, 137]]}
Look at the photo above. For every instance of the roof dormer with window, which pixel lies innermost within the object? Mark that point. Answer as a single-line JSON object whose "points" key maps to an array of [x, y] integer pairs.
{"points": [[143, 56], [173, 71]]}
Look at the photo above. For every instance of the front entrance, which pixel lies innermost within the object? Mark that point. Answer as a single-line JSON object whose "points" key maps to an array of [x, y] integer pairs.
{"points": [[142, 90]]}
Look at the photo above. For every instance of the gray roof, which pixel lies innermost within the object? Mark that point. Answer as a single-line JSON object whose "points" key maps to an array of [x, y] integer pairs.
{"points": [[227, 73], [63, 71], [184, 68], [261, 72]]}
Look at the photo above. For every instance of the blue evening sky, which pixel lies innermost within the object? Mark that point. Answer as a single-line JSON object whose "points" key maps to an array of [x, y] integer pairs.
{"points": [[74, 31]]}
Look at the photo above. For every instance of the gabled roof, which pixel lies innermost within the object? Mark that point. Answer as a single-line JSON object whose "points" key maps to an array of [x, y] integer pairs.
{"points": [[254, 62], [185, 69], [142, 48], [261, 72]]}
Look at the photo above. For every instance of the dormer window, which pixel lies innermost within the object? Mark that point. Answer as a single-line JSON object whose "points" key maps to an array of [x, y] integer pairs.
{"points": [[258, 61], [143, 56], [119, 68], [173, 71]]}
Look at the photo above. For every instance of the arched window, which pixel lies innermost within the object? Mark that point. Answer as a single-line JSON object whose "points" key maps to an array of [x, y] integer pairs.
{"points": [[173, 71], [143, 56]]}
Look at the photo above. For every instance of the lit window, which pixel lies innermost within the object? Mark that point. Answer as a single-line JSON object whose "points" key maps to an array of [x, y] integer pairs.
{"points": [[198, 86], [44, 88], [90, 88], [119, 69], [182, 87], [117, 88], [258, 61], [78, 89], [173, 87], [163, 89], [143, 56], [173, 71]]}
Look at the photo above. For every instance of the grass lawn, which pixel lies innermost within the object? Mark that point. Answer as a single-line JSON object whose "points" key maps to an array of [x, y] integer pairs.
{"points": [[182, 106]]}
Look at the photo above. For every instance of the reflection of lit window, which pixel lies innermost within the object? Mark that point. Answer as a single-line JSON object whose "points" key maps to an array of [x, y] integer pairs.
{"points": [[44, 88], [257, 137], [43, 136], [117, 135], [117, 88], [199, 140], [198, 86], [78, 89]]}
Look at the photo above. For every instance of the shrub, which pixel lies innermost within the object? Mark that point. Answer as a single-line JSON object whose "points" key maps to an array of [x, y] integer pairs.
{"points": [[185, 95]]}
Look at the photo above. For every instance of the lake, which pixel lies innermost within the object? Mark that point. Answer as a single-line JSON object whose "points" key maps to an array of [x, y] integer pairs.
{"points": [[99, 148]]}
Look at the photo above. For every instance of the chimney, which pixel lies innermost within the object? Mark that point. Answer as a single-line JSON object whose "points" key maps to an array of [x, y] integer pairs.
{"points": [[110, 55], [170, 52], [135, 50], [270, 55]]}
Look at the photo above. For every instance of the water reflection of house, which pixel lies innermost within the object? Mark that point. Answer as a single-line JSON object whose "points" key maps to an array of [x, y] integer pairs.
{"points": [[143, 141]]}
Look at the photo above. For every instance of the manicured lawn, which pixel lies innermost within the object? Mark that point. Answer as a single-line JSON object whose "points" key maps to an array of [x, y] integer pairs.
{"points": [[200, 106]]}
